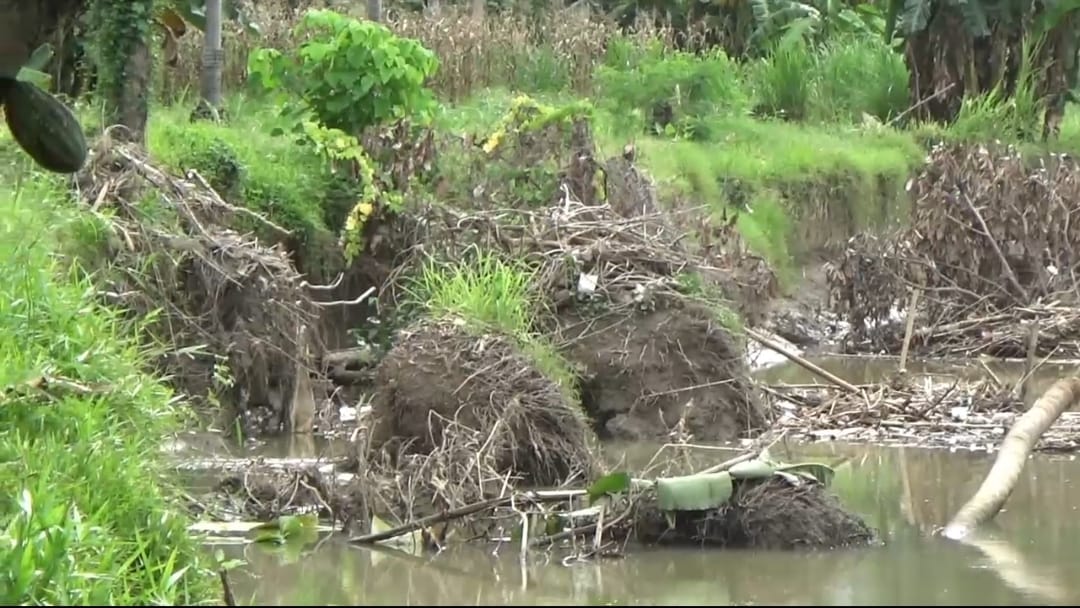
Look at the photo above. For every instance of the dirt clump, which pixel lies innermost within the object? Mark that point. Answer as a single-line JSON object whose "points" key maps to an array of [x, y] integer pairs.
{"points": [[476, 398], [771, 513], [652, 373]]}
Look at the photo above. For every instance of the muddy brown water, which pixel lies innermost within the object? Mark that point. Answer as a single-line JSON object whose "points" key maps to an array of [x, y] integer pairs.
{"points": [[1029, 555]]}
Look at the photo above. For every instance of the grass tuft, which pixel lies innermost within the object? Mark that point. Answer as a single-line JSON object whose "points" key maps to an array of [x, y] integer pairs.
{"points": [[489, 293]]}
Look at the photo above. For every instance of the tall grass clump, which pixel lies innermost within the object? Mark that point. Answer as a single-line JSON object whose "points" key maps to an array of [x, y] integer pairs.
{"points": [[669, 91], [87, 515], [857, 75], [1014, 118], [489, 293], [782, 80], [837, 81]]}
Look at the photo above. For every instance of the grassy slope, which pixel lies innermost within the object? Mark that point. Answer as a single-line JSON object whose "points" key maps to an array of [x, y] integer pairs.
{"points": [[287, 183], [83, 466], [788, 172]]}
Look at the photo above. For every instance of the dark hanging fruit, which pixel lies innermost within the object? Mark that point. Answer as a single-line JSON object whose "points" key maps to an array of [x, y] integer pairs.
{"points": [[44, 127]]}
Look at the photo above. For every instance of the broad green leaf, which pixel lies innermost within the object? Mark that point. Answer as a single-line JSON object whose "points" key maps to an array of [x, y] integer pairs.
{"points": [[752, 469], [40, 59], [285, 527], [823, 473], [694, 492], [915, 16], [612, 483], [39, 79]]}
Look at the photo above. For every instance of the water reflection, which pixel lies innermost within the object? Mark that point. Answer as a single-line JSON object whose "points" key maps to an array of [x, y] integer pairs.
{"points": [[1027, 558]]}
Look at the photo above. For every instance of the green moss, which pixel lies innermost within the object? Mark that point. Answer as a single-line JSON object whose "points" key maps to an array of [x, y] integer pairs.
{"points": [[86, 517]]}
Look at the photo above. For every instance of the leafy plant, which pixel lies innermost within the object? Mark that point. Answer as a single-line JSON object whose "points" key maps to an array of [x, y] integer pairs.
{"points": [[338, 146], [612, 483], [351, 75]]}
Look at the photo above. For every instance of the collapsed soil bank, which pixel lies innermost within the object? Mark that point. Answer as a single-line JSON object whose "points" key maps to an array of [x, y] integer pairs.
{"points": [[675, 369]]}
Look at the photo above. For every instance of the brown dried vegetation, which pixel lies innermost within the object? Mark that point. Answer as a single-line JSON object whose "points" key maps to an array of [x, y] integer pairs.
{"points": [[223, 296], [991, 243]]}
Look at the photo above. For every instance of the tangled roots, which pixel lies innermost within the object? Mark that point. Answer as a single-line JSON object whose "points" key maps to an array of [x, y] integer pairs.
{"points": [[477, 400], [762, 514]]}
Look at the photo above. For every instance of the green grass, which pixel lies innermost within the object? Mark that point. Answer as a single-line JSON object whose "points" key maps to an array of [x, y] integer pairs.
{"points": [[288, 183], [488, 293], [788, 172], [87, 518]]}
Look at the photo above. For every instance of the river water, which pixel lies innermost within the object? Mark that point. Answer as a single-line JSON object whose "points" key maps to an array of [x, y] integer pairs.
{"points": [[1029, 555]]}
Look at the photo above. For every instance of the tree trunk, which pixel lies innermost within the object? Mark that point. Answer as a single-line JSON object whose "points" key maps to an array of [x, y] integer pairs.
{"points": [[132, 107], [123, 64], [374, 10], [1009, 465], [213, 56], [478, 8]]}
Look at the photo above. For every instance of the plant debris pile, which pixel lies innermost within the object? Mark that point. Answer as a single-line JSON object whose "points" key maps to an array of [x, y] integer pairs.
{"points": [[990, 244], [769, 513], [457, 411], [244, 303], [959, 413], [262, 494]]}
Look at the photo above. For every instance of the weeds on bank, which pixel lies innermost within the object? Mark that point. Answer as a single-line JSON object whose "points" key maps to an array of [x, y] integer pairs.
{"points": [[86, 513], [487, 292]]}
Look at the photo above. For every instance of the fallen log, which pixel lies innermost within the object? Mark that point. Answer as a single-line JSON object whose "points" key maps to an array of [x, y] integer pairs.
{"points": [[360, 356], [1015, 448]]}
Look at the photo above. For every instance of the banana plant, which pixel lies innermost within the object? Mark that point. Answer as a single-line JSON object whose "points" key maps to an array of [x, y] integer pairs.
{"points": [[175, 16], [33, 70]]}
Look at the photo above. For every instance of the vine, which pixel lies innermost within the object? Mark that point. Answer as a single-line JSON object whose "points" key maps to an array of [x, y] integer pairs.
{"points": [[337, 146], [526, 115], [119, 27]]}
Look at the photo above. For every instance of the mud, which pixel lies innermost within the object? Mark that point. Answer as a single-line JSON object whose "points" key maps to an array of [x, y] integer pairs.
{"points": [[673, 370], [443, 387], [765, 514]]}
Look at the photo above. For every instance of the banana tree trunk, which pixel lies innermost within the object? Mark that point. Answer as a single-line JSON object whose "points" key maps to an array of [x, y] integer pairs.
{"points": [[213, 56]]}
